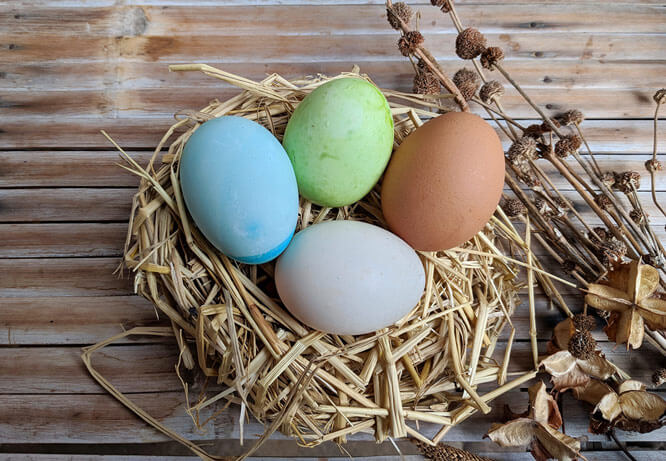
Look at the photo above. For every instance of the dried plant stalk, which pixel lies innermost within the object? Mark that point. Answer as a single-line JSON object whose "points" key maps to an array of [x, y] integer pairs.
{"points": [[312, 386]]}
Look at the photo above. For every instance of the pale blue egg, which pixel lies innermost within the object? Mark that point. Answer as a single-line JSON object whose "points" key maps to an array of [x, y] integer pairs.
{"points": [[240, 188]]}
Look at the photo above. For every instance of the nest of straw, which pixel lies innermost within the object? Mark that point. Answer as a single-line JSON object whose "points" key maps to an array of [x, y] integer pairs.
{"points": [[427, 369]]}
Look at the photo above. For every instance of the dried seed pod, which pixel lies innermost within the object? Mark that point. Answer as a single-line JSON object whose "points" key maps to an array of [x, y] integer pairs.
{"points": [[612, 251], [660, 96], [410, 42], [608, 179], [530, 179], [582, 345], [548, 210], [567, 145], [514, 208], [491, 56], [562, 203], [400, 11], [546, 128], [603, 314], [653, 165], [522, 149], [571, 117], [627, 181], [659, 377], [470, 43], [426, 83], [569, 266], [533, 131], [637, 216], [584, 322], [598, 235], [603, 201], [443, 452], [444, 5], [490, 91], [467, 82]]}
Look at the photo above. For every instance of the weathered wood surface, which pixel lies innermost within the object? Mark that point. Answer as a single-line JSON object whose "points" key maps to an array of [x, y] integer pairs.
{"points": [[69, 69]]}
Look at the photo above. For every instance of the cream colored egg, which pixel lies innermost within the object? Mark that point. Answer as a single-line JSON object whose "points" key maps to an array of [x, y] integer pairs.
{"points": [[349, 277]]}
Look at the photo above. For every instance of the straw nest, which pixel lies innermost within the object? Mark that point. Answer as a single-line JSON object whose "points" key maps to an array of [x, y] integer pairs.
{"points": [[229, 323]]}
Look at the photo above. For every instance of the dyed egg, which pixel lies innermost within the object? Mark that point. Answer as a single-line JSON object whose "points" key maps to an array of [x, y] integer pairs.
{"points": [[240, 188], [444, 182], [339, 140], [349, 277]]}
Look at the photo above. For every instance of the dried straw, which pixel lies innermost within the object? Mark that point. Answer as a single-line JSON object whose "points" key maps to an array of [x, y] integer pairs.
{"points": [[317, 387]]}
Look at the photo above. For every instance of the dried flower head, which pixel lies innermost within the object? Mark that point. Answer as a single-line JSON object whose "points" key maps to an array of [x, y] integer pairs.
{"points": [[530, 179], [653, 165], [546, 128], [605, 315], [467, 82], [426, 83], [608, 179], [521, 150], [562, 203], [490, 91], [567, 145], [514, 207], [627, 181], [637, 216], [443, 452], [598, 235], [444, 5], [612, 251], [584, 322], [491, 56], [533, 131], [582, 345], [659, 377], [409, 42], [421, 66], [569, 266], [660, 96], [548, 209], [603, 201], [470, 43], [571, 117], [400, 11]]}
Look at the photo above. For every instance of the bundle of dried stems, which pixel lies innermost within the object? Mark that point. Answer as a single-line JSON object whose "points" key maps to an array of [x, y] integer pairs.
{"points": [[585, 251], [311, 385]]}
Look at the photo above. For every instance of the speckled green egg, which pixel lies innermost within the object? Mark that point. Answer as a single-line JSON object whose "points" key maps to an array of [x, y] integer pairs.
{"points": [[339, 140]]}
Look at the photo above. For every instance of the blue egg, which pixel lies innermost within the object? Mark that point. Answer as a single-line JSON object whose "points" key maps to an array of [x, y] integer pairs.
{"points": [[240, 188]]}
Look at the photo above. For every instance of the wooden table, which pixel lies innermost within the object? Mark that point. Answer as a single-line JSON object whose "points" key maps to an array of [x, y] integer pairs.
{"points": [[70, 68]]}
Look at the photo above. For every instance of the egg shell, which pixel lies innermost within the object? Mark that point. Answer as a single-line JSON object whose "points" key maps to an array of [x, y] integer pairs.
{"points": [[339, 140], [240, 188], [444, 181], [349, 277]]}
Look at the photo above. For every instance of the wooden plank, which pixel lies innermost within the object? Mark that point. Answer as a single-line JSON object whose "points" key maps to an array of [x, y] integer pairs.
{"points": [[605, 136], [99, 419], [318, 19], [103, 205], [71, 204], [73, 320], [100, 169], [140, 368], [543, 74], [67, 169], [61, 240], [61, 277], [629, 102]]}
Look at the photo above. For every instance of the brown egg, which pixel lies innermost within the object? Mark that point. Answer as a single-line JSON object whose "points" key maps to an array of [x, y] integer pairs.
{"points": [[444, 182]]}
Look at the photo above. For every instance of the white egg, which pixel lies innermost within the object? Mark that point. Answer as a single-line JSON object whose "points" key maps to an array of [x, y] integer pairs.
{"points": [[349, 277]]}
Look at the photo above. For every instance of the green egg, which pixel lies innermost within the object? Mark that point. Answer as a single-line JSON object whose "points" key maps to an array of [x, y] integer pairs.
{"points": [[339, 140]]}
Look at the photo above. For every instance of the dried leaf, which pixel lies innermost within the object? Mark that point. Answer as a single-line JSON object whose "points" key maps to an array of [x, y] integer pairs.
{"points": [[642, 406], [543, 407], [516, 433], [559, 363], [562, 333], [607, 298], [575, 378], [609, 406], [592, 392], [630, 385], [597, 366], [630, 329], [653, 311], [559, 446]]}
